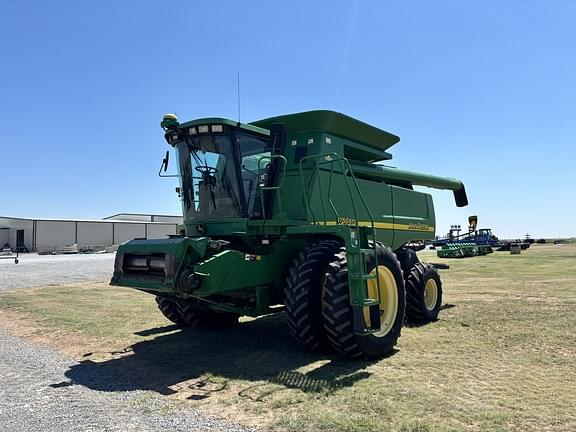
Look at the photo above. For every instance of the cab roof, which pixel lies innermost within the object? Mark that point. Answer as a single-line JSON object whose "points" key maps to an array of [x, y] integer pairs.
{"points": [[219, 120]]}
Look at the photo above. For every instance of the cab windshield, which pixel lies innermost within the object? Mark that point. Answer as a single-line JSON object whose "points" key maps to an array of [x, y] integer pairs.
{"points": [[219, 174]]}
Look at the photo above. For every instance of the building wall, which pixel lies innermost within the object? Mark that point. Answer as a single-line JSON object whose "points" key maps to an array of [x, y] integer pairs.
{"points": [[54, 234], [47, 235], [13, 225], [95, 233], [27, 226], [4, 236], [159, 231], [128, 231]]}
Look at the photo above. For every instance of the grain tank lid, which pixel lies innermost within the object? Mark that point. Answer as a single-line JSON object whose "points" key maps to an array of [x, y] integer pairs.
{"points": [[335, 124]]}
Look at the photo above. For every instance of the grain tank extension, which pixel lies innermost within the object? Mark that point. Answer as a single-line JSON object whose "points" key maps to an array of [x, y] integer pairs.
{"points": [[292, 213]]}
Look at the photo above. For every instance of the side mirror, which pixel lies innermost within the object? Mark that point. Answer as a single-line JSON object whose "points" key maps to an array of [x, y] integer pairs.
{"points": [[164, 166], [165, 160]]}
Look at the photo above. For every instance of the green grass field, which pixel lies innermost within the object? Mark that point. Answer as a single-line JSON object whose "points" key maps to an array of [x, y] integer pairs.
{"points": [[501, 358]]}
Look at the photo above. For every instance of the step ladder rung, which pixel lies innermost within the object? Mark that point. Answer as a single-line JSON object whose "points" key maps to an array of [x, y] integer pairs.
{"points": [[366, 251], [366, 332], [365, 277], [367, 303]]}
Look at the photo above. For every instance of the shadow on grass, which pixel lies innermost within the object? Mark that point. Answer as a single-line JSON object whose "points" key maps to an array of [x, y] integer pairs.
{"points": [[257, 351], [427, 323]]}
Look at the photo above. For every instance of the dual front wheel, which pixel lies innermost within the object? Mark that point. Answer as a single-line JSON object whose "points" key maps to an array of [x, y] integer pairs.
{"points": [[318, 303]]}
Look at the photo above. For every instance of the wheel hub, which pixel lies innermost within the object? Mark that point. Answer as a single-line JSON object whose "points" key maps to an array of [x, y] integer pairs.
{"points": [[385, 289], [430, 294]]}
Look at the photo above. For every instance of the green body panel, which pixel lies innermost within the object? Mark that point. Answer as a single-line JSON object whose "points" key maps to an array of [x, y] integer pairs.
{"points": [[176, 251], [217, 227], [399, 215], [232, 270], [257, 276], [359, 136], [327, 186]]}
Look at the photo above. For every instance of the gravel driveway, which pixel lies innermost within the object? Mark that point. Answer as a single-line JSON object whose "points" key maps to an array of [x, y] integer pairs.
{"points": [[41, 270], [35, 394]]}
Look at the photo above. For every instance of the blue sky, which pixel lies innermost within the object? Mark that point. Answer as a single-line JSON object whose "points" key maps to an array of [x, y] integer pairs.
{"points": [[482, 91]]}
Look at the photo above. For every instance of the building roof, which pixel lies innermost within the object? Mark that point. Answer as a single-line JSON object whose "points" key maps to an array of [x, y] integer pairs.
{"points": [[140, 214], [84, 220]]}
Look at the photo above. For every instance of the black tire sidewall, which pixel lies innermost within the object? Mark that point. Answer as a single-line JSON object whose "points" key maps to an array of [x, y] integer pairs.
{"points": [[431, 273], [423, 274], [310, 293], [206, 319], [169, 308]]}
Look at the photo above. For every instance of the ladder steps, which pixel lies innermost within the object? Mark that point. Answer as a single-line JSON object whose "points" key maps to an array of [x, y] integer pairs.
{"points": [[367, 303], [359, 276]]}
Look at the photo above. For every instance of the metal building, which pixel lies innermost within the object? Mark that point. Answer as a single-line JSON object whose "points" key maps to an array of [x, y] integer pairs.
{"points": [[46, 235]]}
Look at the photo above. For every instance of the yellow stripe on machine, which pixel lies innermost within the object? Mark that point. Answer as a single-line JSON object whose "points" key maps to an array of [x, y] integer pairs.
{"points": [[392, 226]]}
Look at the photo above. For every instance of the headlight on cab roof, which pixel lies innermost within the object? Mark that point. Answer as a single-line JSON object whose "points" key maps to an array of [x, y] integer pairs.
{"points": [[202, 129]]}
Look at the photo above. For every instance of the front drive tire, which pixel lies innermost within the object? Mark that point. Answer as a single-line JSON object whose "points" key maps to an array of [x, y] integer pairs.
{"points": [[170, 310], [206, 319], [303, 294], [424, 294], [337, 311]]}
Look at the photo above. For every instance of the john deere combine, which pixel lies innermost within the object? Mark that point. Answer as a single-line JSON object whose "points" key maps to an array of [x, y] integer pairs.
{"points": [[292, 213]]}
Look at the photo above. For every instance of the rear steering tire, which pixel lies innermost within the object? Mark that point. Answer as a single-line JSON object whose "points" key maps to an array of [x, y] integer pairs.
{"points": [[170, 310], [424, 294], [303, 294], [337, 311]]}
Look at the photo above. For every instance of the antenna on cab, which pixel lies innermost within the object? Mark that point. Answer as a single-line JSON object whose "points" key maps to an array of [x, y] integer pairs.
{"points": [[238, 85]]}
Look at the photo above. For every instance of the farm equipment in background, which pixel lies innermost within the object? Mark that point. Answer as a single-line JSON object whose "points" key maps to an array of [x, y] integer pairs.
{"points": [[507, 245], [463, 250], [481, 237], [293, 213], [7, 253], [475, 242]]}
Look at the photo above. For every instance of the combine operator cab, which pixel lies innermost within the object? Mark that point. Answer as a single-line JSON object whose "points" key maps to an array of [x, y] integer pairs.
{"points": [[221, 165]]}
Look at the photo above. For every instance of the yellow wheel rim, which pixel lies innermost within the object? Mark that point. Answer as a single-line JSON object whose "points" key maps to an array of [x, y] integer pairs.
{"points": [[430, 294], [388, 299]]}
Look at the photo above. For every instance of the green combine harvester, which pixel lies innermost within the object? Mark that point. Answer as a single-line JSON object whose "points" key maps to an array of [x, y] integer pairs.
{"points": [[292, 213]]}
